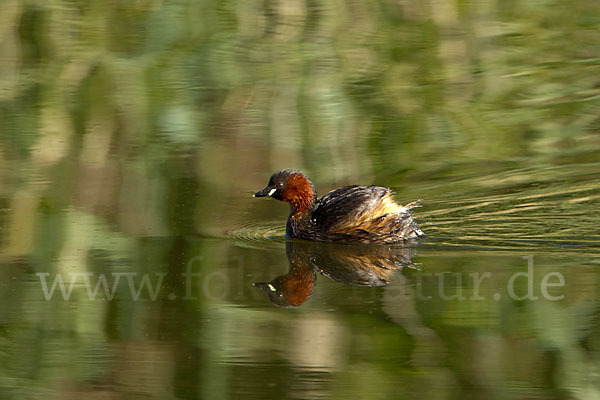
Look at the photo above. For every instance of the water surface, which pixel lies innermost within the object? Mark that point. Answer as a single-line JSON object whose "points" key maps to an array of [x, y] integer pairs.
{"points": [[132, 136]]}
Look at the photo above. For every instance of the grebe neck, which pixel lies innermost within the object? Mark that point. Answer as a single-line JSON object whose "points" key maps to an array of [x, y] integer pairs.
{"points": [[300, 193]]}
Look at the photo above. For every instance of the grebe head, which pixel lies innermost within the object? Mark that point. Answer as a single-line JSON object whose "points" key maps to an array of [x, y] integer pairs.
{"points": [[290, 185]]}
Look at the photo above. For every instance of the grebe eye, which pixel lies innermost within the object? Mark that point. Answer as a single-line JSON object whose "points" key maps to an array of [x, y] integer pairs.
{"points": [[280, 185]]}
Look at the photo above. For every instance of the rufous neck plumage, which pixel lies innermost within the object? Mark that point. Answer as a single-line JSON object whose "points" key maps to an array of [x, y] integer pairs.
{"points": [[299, 193]]}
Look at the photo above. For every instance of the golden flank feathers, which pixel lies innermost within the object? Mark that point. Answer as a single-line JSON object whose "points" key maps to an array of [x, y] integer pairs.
{"points": [[386, 216]]}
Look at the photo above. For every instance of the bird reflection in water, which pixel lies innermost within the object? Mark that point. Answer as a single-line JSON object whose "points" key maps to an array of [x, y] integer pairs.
{"points": [[356, 265]]}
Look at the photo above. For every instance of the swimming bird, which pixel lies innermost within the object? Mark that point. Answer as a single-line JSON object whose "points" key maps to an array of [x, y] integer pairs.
{"points": [[359, 214]]}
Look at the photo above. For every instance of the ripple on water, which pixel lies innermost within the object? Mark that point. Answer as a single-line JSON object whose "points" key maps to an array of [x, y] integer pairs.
{"points": [[539, 209], [254, 232], [555, 214]]}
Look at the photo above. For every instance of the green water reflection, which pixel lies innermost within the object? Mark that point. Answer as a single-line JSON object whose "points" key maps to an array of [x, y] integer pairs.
{"points": [[133, 134]]}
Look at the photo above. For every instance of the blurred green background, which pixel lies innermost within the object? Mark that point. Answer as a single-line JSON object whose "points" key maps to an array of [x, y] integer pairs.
{"points": [[133, 133]]}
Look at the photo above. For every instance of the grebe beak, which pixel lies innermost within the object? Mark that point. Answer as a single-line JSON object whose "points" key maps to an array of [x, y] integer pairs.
{"points": [[266, 286], [268, 191]]}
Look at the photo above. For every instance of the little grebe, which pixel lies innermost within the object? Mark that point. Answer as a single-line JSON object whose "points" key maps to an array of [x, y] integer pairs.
{"points": [[363, 214]]}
